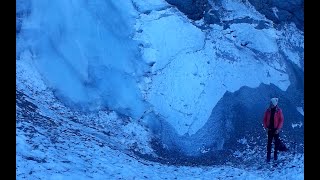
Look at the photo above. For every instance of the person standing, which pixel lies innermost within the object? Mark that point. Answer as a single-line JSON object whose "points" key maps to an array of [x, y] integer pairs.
{"points": [[273, 122]]}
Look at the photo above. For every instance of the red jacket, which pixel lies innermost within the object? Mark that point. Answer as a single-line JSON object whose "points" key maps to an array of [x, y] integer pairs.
{"points": [[278, 118]]}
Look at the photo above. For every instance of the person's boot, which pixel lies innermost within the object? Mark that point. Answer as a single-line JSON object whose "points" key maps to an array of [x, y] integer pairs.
{"points": [[275, 155], [268, 158]]}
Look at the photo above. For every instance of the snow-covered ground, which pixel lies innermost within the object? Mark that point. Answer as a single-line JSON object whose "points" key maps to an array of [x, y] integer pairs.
{"points": [[75, 154]]}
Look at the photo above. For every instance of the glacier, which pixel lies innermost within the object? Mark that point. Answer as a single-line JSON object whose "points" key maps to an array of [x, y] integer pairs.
{"points": [[142, 76]]}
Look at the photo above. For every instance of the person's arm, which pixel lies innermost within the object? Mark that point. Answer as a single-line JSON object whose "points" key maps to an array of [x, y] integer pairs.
{"points": [[281, 120], [280, 123], [265, 120]]}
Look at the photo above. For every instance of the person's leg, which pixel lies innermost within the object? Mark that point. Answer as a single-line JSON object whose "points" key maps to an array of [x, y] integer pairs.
{"points": [[270, 137], [276, 146]]}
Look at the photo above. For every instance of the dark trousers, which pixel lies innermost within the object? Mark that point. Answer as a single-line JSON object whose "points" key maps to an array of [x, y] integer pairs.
{"points": [[272, 135]]}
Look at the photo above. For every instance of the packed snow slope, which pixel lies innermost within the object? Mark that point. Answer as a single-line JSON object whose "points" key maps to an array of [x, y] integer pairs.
{"points": [[182, 82]]}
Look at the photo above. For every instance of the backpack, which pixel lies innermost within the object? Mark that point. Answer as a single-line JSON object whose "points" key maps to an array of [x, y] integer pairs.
{"points": [[282, 146]]}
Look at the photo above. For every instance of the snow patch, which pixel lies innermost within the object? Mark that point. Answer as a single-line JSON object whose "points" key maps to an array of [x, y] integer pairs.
{"points": [[162, 41], [275, 11], [238, 9], [144, 6], [242, 141], [300, 110], [291, 42], [296, 125], [263, 40]]}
